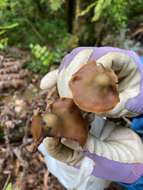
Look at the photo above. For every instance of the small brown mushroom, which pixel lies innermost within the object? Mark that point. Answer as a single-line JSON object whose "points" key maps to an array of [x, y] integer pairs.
{"points": [[36, 127], [65, 120], [39, 130], [36, 130], [94, 88]]}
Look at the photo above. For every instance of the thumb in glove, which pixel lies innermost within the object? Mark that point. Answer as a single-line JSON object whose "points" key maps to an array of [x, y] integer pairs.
{"points": [[61, 152]]}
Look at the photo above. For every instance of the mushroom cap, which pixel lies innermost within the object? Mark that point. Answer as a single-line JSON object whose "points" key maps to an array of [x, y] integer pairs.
{"points": [[94, 88], [73, 125]]}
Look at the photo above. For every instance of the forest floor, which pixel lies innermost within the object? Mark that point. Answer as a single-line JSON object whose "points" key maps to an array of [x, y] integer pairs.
{"points": [[19, 97]]}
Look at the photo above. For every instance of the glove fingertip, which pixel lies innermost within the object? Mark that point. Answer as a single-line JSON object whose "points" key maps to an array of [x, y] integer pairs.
{"points": [[49, 80]]}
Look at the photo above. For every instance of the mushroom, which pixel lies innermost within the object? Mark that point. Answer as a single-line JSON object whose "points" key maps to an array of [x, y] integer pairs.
{"points": [[65, 120], [36, 130], [94, 88]]}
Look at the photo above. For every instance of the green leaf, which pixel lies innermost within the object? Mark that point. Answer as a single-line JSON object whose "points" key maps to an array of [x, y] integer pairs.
{"points": [[87, 9], [2, 3], [7, 27], [55, 4], [3, 43], [2, 32], [100, 7], [9, 187]]}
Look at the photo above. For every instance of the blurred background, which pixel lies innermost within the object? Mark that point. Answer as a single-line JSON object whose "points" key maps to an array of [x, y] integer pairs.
{"points": [[48, 29], [34, 37]]}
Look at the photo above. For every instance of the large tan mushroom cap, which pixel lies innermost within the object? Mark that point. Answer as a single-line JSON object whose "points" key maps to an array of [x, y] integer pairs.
{"points": [[94, 88]]}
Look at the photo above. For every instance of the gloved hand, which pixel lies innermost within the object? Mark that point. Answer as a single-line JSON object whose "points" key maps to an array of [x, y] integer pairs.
{"points": [[70, 176], [115, 152], [122, 100]]}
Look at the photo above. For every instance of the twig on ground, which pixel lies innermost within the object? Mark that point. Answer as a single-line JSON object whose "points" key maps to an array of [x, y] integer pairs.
{"points": [[46, 178]]}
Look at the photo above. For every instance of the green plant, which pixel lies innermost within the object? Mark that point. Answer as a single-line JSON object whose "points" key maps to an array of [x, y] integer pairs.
{"points": [[113, 11], [118, 14], [55, 4], [3, 34], [42, 53], [49, 22], [9, 186], [40, 21], [43, 58]]}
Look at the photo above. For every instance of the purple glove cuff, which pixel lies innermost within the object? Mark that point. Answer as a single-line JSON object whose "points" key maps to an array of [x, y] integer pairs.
{"points": [[115, 171]]}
